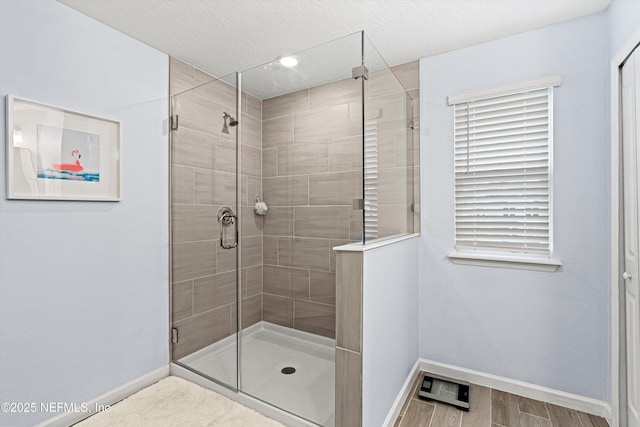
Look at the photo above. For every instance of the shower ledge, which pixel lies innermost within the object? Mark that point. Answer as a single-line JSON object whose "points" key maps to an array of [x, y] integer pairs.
{"points": [[359, 247]]}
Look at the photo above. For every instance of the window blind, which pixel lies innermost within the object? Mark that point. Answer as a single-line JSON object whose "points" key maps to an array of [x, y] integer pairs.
{"points": [[371, 178], [502, 172]]}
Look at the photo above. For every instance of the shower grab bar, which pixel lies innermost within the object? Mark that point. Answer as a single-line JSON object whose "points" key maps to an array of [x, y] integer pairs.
{"points": [[225, 218]]}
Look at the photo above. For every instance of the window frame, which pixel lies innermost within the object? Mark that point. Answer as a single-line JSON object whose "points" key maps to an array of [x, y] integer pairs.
{"points": [[504, 258]]}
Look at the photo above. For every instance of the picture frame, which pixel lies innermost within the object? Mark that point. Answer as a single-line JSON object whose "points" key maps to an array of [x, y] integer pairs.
{"points": [[54, 153]]}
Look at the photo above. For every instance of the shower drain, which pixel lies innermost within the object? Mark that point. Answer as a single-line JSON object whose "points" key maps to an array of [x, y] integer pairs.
{"points": [[288, 370]]}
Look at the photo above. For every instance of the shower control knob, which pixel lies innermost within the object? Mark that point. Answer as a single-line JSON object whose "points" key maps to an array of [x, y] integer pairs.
{"points": [[626, 276]]}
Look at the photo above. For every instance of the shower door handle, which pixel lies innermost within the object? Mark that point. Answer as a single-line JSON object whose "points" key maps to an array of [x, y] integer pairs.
{"points": [[226, 217]]}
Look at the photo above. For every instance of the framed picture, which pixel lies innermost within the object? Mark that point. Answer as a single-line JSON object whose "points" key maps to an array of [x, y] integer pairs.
{"points": [[58, 154]]}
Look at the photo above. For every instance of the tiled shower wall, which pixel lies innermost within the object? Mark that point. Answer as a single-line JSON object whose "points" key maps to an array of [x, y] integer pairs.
{"points": [[312, 171], [409, 75], [311, 163], [301, 154], [203, 166]]}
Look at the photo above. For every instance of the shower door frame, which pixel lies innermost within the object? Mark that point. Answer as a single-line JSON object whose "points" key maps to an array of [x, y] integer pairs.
{"points": [[174, 121]]}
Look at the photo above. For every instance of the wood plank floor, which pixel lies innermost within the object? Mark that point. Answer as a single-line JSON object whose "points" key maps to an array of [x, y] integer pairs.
{"points": [[491, 408]]}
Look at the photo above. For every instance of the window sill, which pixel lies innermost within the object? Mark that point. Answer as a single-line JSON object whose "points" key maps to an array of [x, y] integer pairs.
{"points": [[505, 261]]}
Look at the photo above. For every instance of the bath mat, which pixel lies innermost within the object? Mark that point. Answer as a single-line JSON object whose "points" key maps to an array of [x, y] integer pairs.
{"points": [[176, 402]]}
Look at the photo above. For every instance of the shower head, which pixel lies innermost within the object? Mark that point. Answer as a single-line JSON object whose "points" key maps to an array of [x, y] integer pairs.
{"points": [[232, 122]]}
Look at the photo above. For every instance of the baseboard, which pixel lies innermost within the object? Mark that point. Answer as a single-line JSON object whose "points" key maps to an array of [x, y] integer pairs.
{"points": [[109, 398], [404, 393], [532, 391]]}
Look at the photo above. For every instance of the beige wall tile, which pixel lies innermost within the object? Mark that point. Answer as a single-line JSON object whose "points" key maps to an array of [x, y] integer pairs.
{"points": [[251, 310], [384, 82], [330, 222], [180, 76], [392, 111], [277, 309], [252, 281], [251, 187], [324, 124], [286, 104], [286, 282], [286, 191], [335, 93], [226, 258], [270, 250], [226, 155], [214, 291], [408, 74], [215, 188], [182, 184], [251, 131], [333, 244], [338, 188], [315, 318], [200, 113], [279, 221], [394, 219], [349, 300], [201, 77], [199, 331], [348, 388], [303, 159], [322, 287], [251, 223], [251, 251], [345, 154], [181, 300], [386, 149], [314, 254], [251, 161], [355, 225], [392, 186], [190, 223], [221, 93], [191, 148], [277, 132], [270, 162], [252, 105], [193, 260]]}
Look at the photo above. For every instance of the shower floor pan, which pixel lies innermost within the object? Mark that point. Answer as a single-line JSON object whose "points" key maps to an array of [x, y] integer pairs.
{"points": [[268, 352]]}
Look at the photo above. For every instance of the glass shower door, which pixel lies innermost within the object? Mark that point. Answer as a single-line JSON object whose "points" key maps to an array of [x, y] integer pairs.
{"points": [[388, 151], [306, 121], [204, 221]]}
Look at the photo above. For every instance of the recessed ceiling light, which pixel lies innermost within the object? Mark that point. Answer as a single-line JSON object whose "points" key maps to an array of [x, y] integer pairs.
{"points": [[289, 61]]}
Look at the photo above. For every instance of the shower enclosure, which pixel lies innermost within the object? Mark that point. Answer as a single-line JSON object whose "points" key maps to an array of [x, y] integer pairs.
{"points": [[327, 144]]}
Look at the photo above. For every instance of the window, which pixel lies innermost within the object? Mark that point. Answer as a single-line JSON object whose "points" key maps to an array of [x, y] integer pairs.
{"points": [[371, 178], [502, 143]]}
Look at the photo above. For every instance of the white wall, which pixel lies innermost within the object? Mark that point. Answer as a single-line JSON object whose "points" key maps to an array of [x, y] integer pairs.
{"points": [[390, 325], [549, 329], [83, 285], [623, 21]]}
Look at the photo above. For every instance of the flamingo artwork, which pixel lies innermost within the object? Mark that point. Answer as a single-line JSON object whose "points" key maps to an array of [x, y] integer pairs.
{"points": [[70, 167]]}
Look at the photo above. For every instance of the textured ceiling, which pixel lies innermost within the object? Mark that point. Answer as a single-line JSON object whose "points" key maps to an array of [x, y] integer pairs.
{"points": [[223, 36]]}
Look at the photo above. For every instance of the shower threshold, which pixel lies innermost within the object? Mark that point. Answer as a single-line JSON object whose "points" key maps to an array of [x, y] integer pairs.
{"points": [[289, 369]]}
